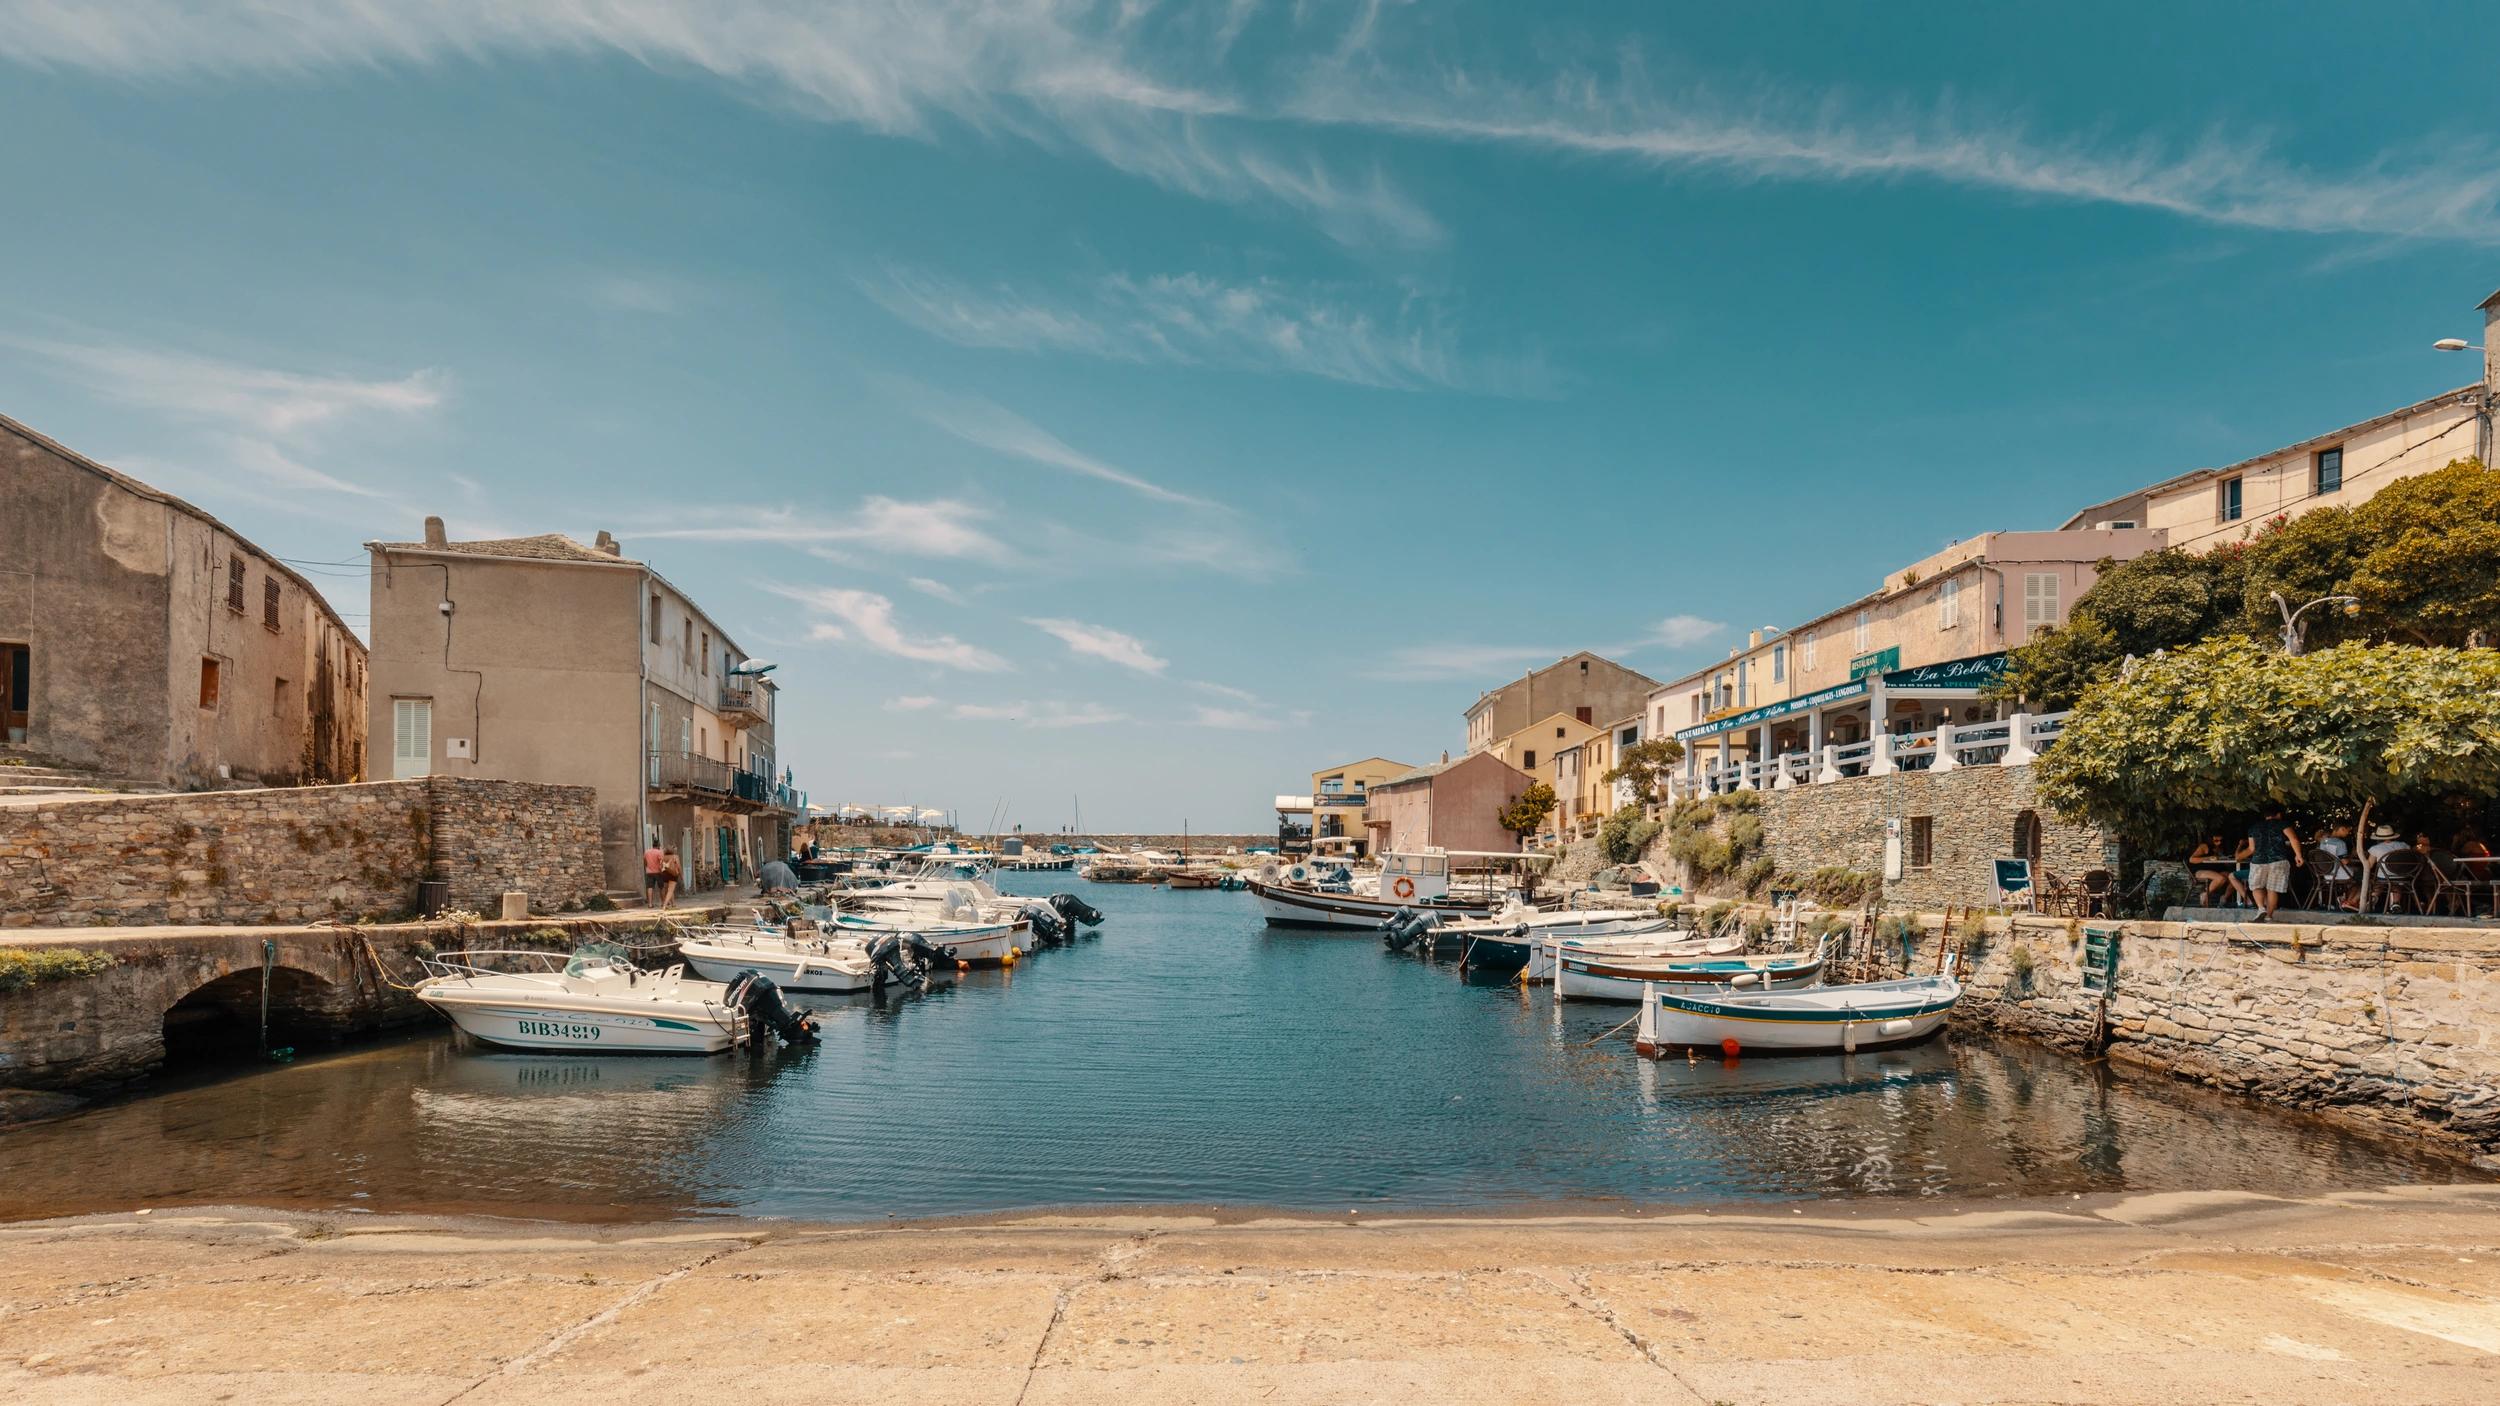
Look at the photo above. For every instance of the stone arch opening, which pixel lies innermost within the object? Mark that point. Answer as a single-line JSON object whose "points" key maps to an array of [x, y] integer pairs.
{"points": [[221, 1019], [2027, 836]]}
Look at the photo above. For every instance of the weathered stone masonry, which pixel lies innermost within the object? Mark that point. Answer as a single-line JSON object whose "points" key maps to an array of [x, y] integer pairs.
{"points": [[2394, 1028], [296, 854], [1971, 813]]}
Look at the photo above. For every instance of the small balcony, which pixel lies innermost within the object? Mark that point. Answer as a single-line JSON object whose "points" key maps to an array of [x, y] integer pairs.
{"points": [[741, 706], [709, 782]]}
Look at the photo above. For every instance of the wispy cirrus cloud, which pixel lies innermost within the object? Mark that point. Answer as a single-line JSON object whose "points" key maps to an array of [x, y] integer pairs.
{"points": [[936, 590], [1048, 714], [1062, 76], [866, 618], [2449, 190], [992, 426], [1103, 642], [911, 703], [1233, 719], [1260, 325], [936, 527], [1434, 662], [257, 400], [1144, 88]]}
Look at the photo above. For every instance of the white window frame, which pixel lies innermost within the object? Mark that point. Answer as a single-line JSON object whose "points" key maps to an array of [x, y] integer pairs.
{"points": [[412, 738], [1806, 654], [1866, 631], [1949, 604], [1779, 663], [2040, 593]]}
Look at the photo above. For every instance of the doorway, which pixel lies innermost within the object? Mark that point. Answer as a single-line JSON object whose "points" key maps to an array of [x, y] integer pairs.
{"points": [[17, 690]]}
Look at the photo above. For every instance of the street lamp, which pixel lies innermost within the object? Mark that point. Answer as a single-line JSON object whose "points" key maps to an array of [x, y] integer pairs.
{"points": [[2454, 344], [2292, 633]]}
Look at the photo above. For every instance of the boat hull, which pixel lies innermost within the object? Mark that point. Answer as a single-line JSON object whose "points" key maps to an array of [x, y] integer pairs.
{"points": [[537, 1027], [1838, 1024], [1578, 979], [1300, 908], [812, 976]]}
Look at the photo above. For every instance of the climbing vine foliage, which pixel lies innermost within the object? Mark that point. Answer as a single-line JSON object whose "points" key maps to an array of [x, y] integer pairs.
{"points": [[2220, 729]]}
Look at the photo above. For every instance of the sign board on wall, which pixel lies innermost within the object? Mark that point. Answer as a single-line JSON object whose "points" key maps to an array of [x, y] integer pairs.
{"points": [[1875, 663], [1952, 676]]}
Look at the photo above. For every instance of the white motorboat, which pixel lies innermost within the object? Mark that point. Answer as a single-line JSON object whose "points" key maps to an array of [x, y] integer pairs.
{"points": [[1668, 942], [837, 966], [976, 943], [1825, 1020], [1409, 882], [1508, 939], [1591, 978], [584, 1003]]}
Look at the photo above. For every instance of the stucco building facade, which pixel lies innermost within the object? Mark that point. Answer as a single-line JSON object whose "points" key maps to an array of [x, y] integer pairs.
{"points": [[1452, 805], [142, 638], [1586, 687], [542, 659]]}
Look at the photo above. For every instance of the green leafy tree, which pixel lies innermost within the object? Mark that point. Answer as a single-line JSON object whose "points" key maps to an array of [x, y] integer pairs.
{"points": [[2220, 729], [2161, 600], [1626, 834], [1526, 815], [1645, 764], [2432, 572]]}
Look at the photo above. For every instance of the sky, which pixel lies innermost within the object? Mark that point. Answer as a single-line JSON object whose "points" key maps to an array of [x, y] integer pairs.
{"points": [[1138, 406]]}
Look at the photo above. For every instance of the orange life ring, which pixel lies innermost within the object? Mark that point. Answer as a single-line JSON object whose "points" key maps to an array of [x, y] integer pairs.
{"points": [[1403, 888]]}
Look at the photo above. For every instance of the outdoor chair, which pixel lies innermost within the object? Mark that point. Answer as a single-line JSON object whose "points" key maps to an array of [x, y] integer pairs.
{"points": [[2446, 887], [2056, 897], [2097, 885], [2397, 887]]}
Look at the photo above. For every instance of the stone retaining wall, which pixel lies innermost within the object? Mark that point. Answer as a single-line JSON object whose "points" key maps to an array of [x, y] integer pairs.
{"points": [[108, 1028], [1970, 813], [296, 854], [2395, 1028]]}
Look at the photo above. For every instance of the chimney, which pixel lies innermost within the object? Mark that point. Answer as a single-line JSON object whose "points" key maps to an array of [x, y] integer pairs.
{"points": [[607, 543], [434, 532]]}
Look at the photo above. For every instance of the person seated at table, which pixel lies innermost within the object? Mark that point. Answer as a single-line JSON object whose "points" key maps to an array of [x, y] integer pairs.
{"points": [[2333, 847], [2214, 868], [2470, 843], [2384, 842]]}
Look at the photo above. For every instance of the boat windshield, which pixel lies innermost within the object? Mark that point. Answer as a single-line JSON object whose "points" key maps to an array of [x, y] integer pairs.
{"points": [[591, 956]]}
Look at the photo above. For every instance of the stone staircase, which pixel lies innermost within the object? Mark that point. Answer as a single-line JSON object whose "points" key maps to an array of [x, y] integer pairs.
{"points": [[26, 777]]}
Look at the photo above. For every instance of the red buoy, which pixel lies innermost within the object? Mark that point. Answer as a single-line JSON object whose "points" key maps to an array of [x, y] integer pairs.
{"points": [[1729, 1047]]}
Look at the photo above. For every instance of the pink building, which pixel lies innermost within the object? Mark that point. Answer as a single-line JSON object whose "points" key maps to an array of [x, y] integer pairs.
{"points": [[1452, 805]]}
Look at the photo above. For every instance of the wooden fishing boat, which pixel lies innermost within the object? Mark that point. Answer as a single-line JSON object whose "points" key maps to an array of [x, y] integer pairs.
{"points": [[1825, 1020], [1669, 942], [1581, 977]]}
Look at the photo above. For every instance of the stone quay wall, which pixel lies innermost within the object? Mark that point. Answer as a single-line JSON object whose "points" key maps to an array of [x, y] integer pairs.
{"points": [[1970, 815], [295, 854], [2395, 1029], [107, 1027]]}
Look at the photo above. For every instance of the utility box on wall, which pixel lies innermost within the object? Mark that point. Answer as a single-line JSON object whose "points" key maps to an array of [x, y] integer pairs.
{"points": [[457, 749]]}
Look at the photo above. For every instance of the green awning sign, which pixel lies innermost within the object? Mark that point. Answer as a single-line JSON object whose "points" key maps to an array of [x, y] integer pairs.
{"points": [[1952, 676], [1875, 663]]}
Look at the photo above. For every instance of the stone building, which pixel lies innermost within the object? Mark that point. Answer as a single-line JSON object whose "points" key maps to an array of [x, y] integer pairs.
{"points": [[1585, 687], [143, 639], [541, 659]]}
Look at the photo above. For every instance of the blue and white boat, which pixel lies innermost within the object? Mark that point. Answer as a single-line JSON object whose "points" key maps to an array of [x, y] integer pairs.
{"points": [[1588, 976], [1825, 1020]]}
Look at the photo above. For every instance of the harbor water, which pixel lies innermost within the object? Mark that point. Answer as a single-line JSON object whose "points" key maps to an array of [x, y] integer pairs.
{"points": [[1185, 1054]]}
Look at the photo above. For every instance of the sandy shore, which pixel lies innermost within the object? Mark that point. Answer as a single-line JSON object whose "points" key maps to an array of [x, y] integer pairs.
{"points": [[2385, 1297]]}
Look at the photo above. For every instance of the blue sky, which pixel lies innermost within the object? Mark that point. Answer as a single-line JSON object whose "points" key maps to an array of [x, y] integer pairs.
{"points": [[1149, 403]]}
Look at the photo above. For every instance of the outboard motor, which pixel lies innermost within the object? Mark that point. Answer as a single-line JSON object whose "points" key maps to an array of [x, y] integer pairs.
{"points": [[1074, 910], [753, 992], [1400, 932], [901, 959], [1049, 929]]}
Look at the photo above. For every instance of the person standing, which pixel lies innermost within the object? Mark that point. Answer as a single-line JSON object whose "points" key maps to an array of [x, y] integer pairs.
{"points": [[654, 872], [2271, 850]]}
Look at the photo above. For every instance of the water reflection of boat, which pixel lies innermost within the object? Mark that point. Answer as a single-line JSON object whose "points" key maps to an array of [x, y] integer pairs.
{"points": [[1809, 1078]]}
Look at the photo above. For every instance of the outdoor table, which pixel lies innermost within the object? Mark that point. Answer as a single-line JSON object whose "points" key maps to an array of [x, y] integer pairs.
{"points": [[2483, 869]]}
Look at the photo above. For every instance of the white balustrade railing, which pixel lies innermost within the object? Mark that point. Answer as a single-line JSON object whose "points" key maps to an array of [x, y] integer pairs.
{"points": [[2014, 741]]}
